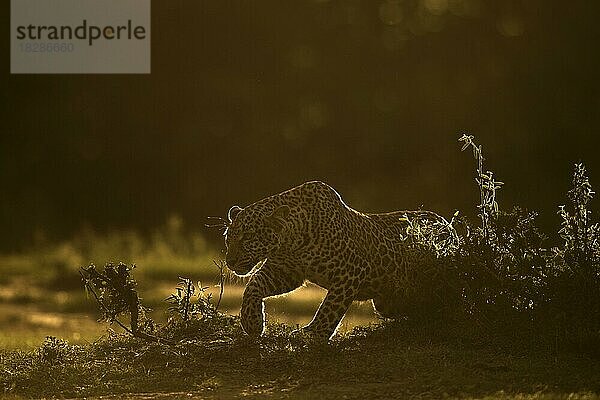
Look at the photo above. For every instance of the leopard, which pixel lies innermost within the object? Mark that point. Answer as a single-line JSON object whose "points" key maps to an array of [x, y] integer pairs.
{"points": [[309, 234]]}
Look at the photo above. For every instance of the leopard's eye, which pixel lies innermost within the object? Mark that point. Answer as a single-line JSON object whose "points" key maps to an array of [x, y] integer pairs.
{"points": [[247, 235], [234, 236]]}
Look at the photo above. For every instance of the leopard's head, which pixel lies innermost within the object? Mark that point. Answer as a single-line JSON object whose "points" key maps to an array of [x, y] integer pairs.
{"points": [[253, 234]]}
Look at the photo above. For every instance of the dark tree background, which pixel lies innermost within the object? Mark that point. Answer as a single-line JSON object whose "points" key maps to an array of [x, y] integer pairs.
{"points": [[247, 99]]}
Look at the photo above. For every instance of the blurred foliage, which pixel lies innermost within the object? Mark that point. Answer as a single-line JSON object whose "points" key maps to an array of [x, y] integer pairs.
{"points": [[254, 98], [167, 248]]}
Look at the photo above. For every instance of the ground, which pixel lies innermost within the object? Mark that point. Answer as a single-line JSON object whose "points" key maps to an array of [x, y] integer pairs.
{"points": [[388, 360], [378, 359]]}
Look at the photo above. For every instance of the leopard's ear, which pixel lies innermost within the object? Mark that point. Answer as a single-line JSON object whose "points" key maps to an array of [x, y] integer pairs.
{"points": [[233, 212], [277, 219]]}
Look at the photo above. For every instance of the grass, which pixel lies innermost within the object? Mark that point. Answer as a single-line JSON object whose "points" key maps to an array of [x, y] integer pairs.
{"points": [[390, 360]]}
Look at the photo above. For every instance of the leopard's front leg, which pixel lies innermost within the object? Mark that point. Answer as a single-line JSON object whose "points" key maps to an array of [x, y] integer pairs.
{"points": [[271, 280]]}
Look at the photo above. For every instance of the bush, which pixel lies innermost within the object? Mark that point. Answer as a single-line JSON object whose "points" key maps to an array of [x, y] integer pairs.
{"points": [[574, 276], [511, 282], [502, 273]]}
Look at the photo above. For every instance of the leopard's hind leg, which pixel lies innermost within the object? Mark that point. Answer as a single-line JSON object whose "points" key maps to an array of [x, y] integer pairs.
{"points": [[388, 306]]}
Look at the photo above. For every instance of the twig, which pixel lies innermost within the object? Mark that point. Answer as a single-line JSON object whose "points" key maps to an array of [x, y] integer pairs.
{"points": [[187, 298], [219, 265], [101, 304], [134, 332]]}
